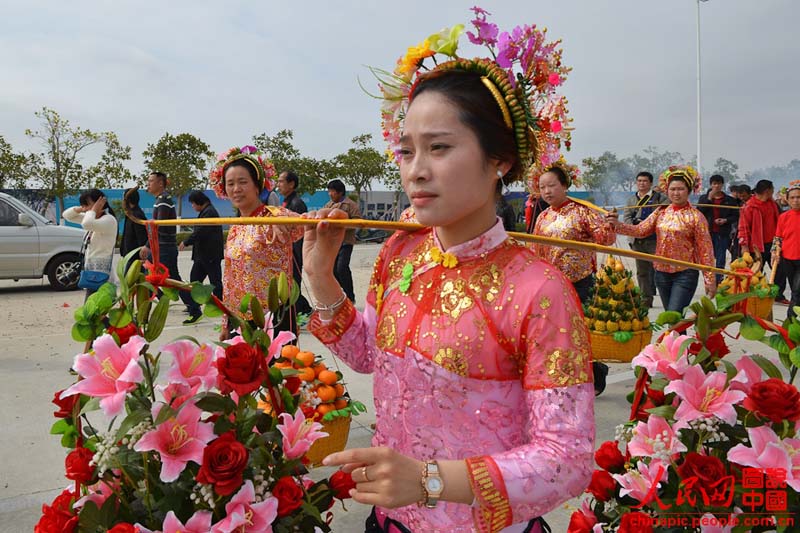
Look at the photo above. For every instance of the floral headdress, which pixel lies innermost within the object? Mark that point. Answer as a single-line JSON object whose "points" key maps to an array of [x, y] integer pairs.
{"points": [[793, 185], [263, 166], [522, 76], [535, 172], [688, 174]]}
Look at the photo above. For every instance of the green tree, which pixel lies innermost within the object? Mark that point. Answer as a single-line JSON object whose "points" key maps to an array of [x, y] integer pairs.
{"points": [[654, 160], [60, 166], [605, 174], [184, 158], [361, 164], [728, 170], [313, 173], [15, 169], [393, 182]]}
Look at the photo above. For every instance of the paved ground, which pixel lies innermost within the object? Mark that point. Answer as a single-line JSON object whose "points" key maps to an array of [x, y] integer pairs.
{"points": [[36, 351]]}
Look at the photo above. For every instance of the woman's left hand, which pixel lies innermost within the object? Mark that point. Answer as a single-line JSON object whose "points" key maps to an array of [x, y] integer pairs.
{"points": [[711, 290], [99, 205], [383, 477]]}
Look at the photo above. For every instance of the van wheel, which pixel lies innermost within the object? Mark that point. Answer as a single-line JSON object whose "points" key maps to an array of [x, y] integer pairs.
{"points": [[64, 271]]}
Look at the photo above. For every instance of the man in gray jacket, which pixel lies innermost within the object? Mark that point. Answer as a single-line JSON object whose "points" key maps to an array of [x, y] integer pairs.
{"points": [[640, 206]]}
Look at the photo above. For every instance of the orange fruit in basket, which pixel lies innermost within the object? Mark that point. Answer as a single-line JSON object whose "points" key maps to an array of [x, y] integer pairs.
{"points": [[328, 377], [320, 367], [283, 364], [340, 403], [307, 358], [326, 393], [339, 389], [325, 408], [306, 374], [289, 351]]}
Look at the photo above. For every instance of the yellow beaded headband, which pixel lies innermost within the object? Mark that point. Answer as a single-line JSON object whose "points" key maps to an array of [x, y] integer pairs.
{"points": [[263, 167], [500, 101]]}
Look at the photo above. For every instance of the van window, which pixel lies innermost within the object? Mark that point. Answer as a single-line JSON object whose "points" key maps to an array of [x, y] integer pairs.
{"points": [[8, 215]]}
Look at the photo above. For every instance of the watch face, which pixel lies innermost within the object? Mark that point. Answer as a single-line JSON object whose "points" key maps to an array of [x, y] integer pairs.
{"points": [[434, 484]]}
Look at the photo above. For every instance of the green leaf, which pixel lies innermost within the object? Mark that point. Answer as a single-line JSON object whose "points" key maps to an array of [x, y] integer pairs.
{"points": [[216, 403], [295, 293], [165, 414], [60, 427], [119, 318], [668, 317], [664, 411], [730, 369], [245, 303], [702, 355], [92, 405], [767, 366], [131, 420], [794, 332], [211, 311], [777, 343], [751, 330], [82, 332], [171, 293], [794, 356], [202, 293]]}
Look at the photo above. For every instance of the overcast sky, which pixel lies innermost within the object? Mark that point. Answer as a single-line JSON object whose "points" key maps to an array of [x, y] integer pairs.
{"points": [[225, 71]]}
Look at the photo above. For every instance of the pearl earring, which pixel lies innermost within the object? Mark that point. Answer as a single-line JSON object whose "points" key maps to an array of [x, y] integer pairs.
{"points": [[499, 173]]}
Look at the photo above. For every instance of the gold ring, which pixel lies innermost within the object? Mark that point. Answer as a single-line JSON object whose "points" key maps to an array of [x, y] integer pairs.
{"points": [[364, 472]]}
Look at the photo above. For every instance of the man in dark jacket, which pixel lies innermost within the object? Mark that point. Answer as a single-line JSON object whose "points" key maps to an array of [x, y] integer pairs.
{"points": [[208, 248], [287, 185], [721, 221], [640, 206], [505, 211]]}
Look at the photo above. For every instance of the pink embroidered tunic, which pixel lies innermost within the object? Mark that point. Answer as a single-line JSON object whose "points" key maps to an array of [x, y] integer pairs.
{"points": [[681, 233], [486, 360], [574, 222], [256, 254]]}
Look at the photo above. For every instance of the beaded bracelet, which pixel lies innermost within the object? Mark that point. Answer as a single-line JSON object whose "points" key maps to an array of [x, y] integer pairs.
{"points": [[333, 307]]}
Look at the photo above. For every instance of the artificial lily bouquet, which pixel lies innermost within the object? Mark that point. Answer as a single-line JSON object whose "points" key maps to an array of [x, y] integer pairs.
{"points": [[217, 444], [712, 445]]}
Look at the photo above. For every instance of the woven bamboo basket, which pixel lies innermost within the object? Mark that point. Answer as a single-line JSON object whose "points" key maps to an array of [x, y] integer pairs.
{"points": [[338, 430], [605, 348]]}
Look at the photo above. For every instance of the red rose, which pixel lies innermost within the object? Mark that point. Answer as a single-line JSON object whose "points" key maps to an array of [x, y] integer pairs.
{"points": [[608, 457], [635, 523], [292, 384], [580, 523], [707, 469], [66, 405], [714, 344], [774, 399], [123, 527], [602, 485], [341, 483], [58, 517], [124, 333], [241, 370], [224, 460], [289, 495], [656, 396], [77, 465]]}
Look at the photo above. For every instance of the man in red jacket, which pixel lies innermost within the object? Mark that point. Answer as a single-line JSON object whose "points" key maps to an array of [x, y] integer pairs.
{"points": [[788, 235], [758, 221]]}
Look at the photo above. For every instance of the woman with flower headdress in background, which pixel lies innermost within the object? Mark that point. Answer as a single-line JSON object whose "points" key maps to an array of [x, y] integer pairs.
{"points": [[483, 394], [567, 219], [253, 254], [681, 233]]}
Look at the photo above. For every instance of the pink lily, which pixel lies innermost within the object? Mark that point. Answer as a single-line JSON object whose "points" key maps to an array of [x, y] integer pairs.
{"points": [[751, 374], [176, 394], [242, 515], [98, 493], [192, 364], [667, 357], [704, 395], [769, 451], [178, 440], [653, 437], [639, 483], [109, 372], [200, 522], [298, 434], [276, 342]]}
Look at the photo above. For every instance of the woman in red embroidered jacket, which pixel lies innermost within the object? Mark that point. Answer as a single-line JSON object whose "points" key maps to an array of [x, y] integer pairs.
{"points": [[681, 233], [483, 392]]}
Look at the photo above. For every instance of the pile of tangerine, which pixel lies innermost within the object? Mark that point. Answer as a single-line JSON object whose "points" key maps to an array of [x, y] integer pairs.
{"points": [[325, 383]]}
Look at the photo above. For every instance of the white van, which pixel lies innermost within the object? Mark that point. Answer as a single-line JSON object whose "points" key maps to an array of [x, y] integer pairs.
{"points": [[31, 246]]}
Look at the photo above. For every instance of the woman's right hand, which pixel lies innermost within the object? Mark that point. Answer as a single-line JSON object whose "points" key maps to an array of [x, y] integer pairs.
{"points": [[321, 244]]}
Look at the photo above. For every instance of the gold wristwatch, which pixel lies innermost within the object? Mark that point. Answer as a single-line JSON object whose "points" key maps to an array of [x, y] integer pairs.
{"points": [[432, 484]]}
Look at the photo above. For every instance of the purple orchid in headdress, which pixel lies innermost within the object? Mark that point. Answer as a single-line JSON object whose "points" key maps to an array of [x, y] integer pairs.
{"points": [[248, 149], [487, 32]]}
